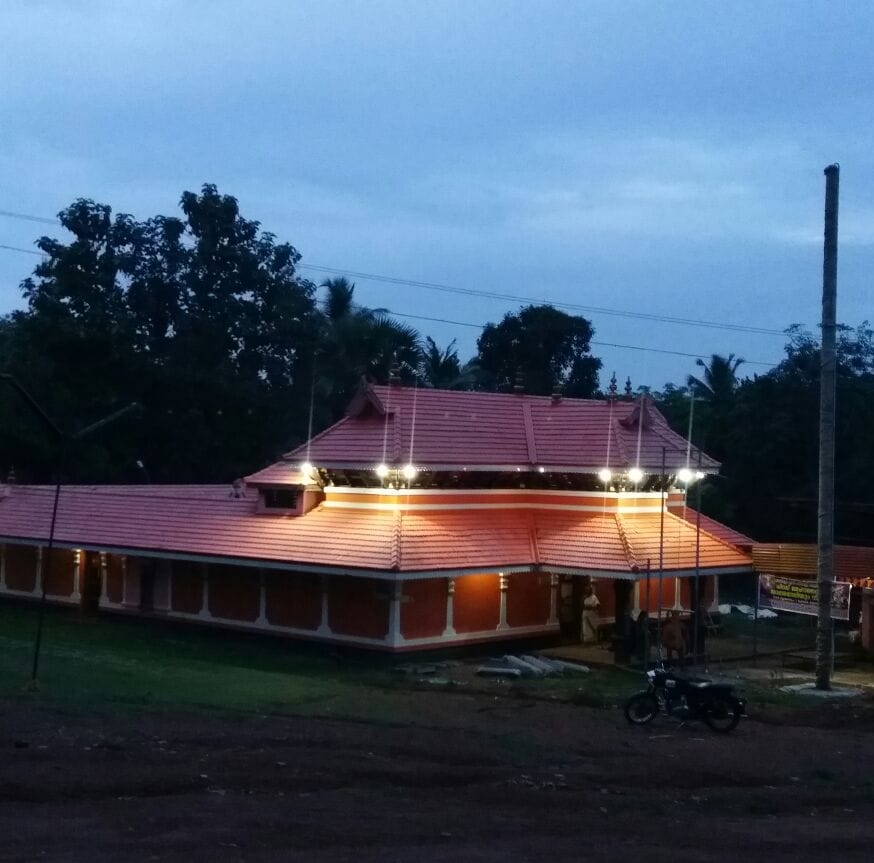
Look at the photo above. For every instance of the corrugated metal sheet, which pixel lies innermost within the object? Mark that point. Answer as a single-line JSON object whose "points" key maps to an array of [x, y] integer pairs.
{"points": [[852, 563]]}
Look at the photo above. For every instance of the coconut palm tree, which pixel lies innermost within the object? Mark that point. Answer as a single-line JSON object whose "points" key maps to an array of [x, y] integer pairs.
{"points": [[357, 342], [719, 381]]}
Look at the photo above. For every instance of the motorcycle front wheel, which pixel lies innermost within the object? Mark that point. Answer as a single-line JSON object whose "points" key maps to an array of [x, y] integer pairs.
{"points": [[641, 708], [722, 713]]}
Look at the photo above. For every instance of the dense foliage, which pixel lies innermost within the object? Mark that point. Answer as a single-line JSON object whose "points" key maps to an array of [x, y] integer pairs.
{"points": [[765, 431]]}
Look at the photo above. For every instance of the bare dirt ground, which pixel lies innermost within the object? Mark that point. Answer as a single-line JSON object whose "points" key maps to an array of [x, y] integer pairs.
{"points": [[447, 776]]}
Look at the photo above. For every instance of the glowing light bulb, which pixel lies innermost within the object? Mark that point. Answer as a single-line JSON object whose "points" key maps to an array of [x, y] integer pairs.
{"points": [[410, 472], [605, 474], [635, 475], [382, 471], [306, 469], [684, 475], [699, 474]]}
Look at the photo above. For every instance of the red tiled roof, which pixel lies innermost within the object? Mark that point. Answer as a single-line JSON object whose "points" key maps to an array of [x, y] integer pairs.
{"points": [[454, 429], [851, 563], [717, 528], [377, 539]]}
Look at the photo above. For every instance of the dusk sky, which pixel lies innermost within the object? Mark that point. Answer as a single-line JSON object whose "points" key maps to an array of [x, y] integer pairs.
{"points": [[656, 159]]}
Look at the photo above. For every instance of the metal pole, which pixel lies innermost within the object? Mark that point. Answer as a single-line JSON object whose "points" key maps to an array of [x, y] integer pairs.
{"points": [[696, 598], [756, 616], [648, 607], [64, 442], [828, 369], [45, 569], [661, 552]]}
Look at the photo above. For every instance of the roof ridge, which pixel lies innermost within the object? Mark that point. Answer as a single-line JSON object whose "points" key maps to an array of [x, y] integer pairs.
{"points": [[712, 536], [616, 435], [483, 393], [288, 455], [396, 548], [532, 536], [530, 438], [626, 543]]}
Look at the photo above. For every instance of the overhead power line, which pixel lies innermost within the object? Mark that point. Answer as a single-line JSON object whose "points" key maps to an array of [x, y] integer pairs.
{"points": [[593, 342], [44, 220], [479, 326], [494, 295], [19, 249], [474, 292]]}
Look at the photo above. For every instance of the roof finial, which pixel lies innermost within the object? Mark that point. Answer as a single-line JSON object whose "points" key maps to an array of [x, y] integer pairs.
{"points": [[556, 392], [10, 477], [611, 390], [394, 371], [519, 386], [628, 388]]}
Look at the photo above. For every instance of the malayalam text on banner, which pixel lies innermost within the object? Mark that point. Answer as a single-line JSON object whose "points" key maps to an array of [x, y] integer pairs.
{"points": [[792, 594]]}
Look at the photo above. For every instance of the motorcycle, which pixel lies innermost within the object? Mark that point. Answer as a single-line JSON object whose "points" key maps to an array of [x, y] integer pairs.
{"points": [[685, 698]]}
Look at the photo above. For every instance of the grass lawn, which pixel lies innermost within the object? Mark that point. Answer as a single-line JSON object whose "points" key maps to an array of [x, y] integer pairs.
{"points": [[121, 661], [125, 663]]}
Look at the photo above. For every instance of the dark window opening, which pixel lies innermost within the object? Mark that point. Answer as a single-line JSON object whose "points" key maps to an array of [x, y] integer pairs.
{"points": [[280, 498]]}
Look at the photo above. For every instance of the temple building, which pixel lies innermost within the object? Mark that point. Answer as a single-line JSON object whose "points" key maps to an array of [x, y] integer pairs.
{"points": [[422, 519]]}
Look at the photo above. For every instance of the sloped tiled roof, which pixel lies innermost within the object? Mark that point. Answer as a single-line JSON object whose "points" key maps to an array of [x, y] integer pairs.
{"points": [[851, 563], [712, 526], [365, 539], [454, 429]]}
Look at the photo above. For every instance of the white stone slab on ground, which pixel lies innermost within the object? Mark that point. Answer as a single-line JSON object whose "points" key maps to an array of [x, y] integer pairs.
{"points": [[810, 689]]}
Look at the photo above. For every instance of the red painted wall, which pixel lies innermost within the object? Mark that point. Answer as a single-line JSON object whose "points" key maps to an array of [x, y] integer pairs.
{"points": [[687, 591], [234, 592], [58, 569], [477, 603], [606, 596], [423, 608], [114, 578], [293, 599], [20, 567], [187, 587], [528, 596], [668, 593], [358, 606]]}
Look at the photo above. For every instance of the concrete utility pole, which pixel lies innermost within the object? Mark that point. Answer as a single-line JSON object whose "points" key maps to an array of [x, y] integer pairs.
{"points": [[828, 375]]}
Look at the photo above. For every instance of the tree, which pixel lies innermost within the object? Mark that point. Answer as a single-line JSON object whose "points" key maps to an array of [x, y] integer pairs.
{"points": [[202, 319], [356, 342], [441, 369], [719, 380], [764, 429], [546, 347]]}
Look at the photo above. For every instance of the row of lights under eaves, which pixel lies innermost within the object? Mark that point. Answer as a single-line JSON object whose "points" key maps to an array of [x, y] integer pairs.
{"points": [[635, 474]]}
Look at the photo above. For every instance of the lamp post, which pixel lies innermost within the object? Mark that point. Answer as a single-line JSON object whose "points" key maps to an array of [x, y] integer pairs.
{"points": [[64, 441]]}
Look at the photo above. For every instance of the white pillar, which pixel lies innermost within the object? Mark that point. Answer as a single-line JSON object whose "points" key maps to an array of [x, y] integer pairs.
{"points": [[678, 595], [37, 584], [324, 625], [394, 614], [636, 599], [78, 554], [104, 597], [714, 606], [122, 562], [553, 599], [204, 608], [450, 607], [502, 585], [262, 599]]}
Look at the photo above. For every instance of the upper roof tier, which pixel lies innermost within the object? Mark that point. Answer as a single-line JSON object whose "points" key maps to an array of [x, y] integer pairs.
{"points": [[458, 430]]}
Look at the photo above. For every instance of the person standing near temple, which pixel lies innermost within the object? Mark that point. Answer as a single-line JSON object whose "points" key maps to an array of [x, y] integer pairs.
{"points": [[589, 623]]}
